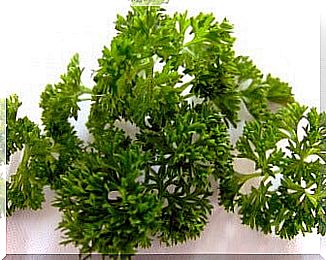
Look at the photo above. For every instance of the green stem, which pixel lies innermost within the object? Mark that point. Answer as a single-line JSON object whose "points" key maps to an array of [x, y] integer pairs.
{"points": [[26, 155], [323, 195], [85, 90], [245, 177], [23, 165]]}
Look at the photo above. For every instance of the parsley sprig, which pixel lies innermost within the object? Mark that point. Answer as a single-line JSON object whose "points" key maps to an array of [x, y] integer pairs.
{"points": [[25, 186], [295, 203]]}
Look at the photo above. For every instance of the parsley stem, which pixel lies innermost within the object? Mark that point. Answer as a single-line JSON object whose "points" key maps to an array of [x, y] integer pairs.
{"points": [[245, 177], [85, 90], [26, 156]]}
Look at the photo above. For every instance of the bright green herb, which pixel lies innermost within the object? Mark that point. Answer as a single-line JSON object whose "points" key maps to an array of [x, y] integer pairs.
{"points": [[118, 191], [296, 202], [25, 188]]}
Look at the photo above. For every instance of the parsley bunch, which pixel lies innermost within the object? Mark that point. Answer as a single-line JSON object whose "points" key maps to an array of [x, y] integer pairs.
{"points": [[290, 169], [119, 190]]}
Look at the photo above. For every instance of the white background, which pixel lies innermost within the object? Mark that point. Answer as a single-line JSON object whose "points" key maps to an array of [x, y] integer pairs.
{"points": [[39, 37]]}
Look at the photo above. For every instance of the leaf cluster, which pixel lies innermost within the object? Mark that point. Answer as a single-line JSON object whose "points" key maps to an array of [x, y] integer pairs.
{"points": [[25, 186], [178, 82], [289, 168]]}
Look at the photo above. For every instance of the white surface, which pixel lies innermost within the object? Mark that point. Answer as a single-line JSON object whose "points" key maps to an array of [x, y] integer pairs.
{"points": [[39, 37]]}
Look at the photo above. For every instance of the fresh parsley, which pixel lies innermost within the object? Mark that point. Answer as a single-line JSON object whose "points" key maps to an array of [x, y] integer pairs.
{"points": [[117, 192], [289, 166]]}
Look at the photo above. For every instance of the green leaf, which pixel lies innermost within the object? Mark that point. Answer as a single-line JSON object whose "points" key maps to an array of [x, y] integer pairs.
{"points": [[295, 205]]}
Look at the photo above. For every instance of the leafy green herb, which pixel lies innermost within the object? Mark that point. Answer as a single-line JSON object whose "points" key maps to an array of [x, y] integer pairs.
{"points": [[60, 103], [290, 197], [104, 196], [25, 187], [180, 91]]}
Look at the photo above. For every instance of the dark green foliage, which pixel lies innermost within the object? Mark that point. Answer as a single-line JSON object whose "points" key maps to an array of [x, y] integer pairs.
{"points": [[118, 191], [25, 187], [186, 156], [180, 137], [45, 156], [278, 92], [59, 103], [208, 57], [14, 139], [296, 205], [106, 207]]}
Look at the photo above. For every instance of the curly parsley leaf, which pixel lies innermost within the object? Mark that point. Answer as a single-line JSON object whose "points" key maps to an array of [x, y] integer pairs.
{"points": [[290, 193], [179, 135], [59, 103], [25, 186], [103, 195], [45, 156]]}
